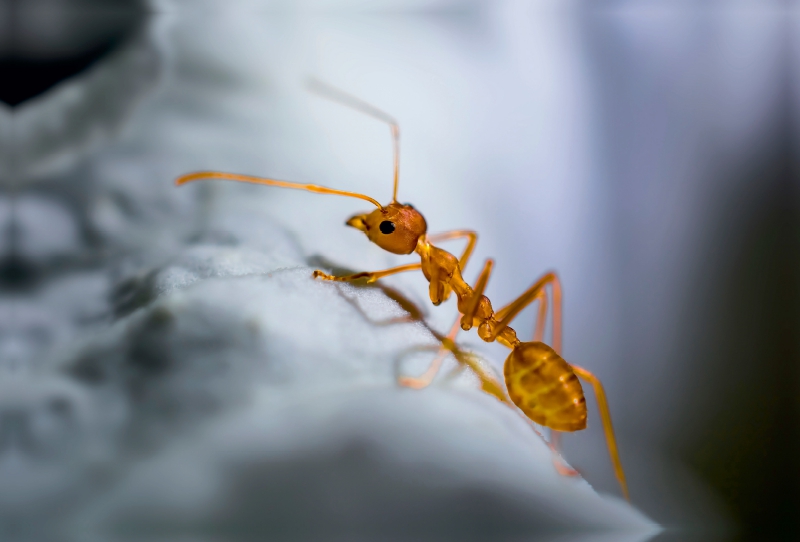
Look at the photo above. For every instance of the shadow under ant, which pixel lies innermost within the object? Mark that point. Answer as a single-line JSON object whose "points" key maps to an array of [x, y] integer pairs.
{"points": [[414, 314]]}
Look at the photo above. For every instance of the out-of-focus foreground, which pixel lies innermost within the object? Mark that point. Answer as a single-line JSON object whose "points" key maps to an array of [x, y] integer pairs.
{"points": [[168, 366]]}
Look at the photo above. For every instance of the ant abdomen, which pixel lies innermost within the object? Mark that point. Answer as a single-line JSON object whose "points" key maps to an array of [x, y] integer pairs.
{"points": [[545, 387]]}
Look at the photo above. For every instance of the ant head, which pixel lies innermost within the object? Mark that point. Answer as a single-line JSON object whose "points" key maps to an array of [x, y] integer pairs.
{"points": [[395, 228]]}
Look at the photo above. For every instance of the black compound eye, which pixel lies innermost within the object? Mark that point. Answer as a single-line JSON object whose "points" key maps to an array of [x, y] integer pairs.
{"points": [[408, 205], [387, 227]]}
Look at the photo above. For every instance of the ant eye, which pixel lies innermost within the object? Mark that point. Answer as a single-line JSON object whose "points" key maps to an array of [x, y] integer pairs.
{"points": [[387, 227], [408, 205]]}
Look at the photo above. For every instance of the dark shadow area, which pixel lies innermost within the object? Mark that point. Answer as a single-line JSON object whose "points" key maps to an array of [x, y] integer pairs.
{"points": [[45, 42], [749, 446], [16, 273], [724, 402]]}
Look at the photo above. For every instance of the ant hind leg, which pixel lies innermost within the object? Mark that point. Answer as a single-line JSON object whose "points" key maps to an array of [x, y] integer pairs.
{"points": [[605, 416], [558, 458]]}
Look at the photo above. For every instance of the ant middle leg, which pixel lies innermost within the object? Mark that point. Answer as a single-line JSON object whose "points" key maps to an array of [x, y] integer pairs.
{"points": [[505, 315]]}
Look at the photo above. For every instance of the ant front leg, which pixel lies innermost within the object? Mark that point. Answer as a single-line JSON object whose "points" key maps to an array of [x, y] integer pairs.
{"points": [[370, 276]]}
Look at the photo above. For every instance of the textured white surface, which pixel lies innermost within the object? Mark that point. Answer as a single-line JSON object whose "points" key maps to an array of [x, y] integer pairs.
{"points": [[285, 398], [237, 393]]}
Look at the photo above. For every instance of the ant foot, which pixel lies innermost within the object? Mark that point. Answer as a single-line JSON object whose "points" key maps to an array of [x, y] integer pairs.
{"points": [[561, 466], [565, 470], [414, 383], [323, 276]]}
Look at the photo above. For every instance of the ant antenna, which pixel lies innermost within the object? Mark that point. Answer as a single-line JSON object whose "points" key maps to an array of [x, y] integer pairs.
{"points": [[341, 97], [272, 182]]}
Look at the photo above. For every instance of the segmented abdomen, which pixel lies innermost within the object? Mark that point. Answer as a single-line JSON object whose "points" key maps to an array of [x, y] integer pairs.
{"points": [[544, 387]]}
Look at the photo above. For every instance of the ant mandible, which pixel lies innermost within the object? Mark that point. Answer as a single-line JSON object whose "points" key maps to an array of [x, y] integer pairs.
{"points": [[539, 381]]}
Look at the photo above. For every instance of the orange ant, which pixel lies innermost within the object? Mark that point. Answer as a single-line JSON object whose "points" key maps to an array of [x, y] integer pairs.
{"points": [[539, 381]]}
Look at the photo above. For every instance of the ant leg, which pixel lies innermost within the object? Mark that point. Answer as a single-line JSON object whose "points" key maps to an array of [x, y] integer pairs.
{"points": [[505, 315], [605, 416], [555, 436], [541, 318], [371, 276], [426, 378], [489, 382], [554, 443], [555, 446]]}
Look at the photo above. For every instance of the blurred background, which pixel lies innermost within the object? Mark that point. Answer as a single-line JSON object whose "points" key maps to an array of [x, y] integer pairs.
{"points": [[645, 150]]}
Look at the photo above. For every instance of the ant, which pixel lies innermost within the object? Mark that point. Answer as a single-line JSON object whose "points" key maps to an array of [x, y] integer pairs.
{"points": [[539, 381]]}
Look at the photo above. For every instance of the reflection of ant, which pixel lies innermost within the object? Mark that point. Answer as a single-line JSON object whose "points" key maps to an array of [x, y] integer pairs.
{"points": [[539, 382]]}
